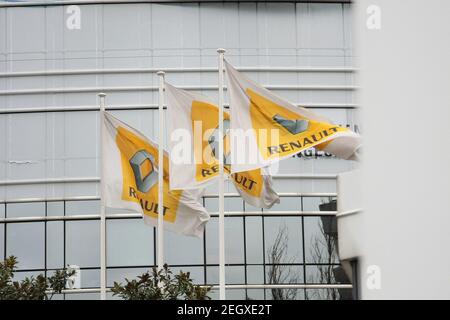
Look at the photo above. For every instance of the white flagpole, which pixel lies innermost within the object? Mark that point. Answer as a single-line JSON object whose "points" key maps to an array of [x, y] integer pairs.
{"points": [[102, 203], [221, 184], [160, 245]]}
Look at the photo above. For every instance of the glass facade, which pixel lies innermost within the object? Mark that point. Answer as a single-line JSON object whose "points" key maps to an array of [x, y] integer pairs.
{"points": [[261, 247]]}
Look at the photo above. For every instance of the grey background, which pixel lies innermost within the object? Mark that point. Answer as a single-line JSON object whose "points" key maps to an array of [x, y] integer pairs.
{"points": [[405, 80]]}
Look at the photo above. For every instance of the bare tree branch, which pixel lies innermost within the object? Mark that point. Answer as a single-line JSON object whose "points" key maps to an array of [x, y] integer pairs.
{"points": [[324, 253], [279, 273]]}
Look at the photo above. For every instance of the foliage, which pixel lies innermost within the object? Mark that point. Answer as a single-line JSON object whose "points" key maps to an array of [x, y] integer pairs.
{"points": [[161, 285], [32, 288]]}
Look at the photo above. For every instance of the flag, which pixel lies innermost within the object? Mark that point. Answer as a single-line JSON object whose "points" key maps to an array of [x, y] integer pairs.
{"points": [[130, 178], [265, 128], [192, 124]]}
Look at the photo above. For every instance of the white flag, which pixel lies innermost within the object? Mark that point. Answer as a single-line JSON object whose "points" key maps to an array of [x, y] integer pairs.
{"points": [[265, 128], [130, 162], [192, 124]]}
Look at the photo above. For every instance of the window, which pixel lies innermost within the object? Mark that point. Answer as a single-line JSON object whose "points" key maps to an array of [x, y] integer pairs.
{"points": [[129, 242], [26, 241], [82, 243]]}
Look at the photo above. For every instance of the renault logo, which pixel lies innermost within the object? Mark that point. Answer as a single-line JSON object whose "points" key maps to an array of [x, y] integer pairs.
{"points": [[293, 126], [214, 142], [145, 173]]}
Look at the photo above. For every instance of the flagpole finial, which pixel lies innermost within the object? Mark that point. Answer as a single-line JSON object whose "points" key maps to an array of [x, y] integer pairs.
{"points": [[221, 50], [160, 73], [102, 94]]}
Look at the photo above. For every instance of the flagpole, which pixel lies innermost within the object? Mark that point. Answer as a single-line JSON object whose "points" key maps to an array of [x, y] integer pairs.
{"points": [[102, 97], [160, 244], [221, 183]]}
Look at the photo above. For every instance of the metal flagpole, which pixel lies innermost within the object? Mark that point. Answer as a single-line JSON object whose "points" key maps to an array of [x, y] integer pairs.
{"points": [[221, 184], [160, 246], [102, 203]]}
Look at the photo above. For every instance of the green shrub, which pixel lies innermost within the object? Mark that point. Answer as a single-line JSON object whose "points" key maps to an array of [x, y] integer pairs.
{"points": [[32, 288], [161, 285]]}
